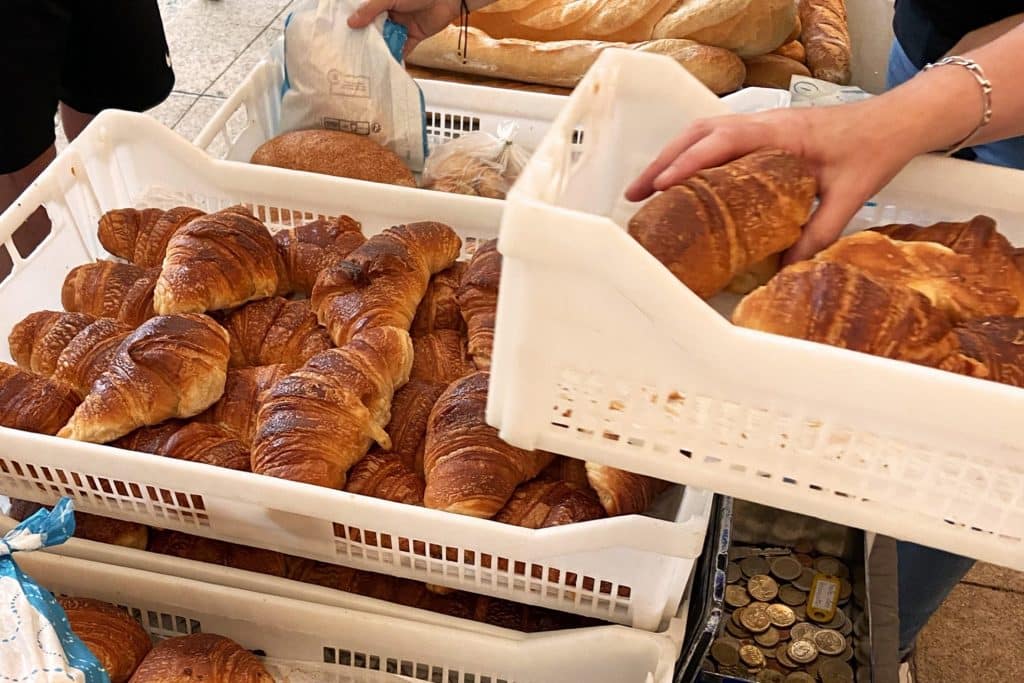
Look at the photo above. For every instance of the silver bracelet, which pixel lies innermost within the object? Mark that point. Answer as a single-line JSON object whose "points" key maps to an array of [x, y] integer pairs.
{"points": [[986, 95]]}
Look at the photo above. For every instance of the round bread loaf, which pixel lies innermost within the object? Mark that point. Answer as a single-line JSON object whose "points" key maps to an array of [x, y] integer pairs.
{"points": [[334, 153]]}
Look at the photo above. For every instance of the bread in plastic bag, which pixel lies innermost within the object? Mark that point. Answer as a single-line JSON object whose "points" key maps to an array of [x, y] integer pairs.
{"points": [[477, 164], [351, 80]]}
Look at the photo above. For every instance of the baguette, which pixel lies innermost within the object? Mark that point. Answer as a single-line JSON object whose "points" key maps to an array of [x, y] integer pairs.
{"points": [[564, 63], [826, 39], [772, 71], [548, 20], [748, 27], [794, 49]]}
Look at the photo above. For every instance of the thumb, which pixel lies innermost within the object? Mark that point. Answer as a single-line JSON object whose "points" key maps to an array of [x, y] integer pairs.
{"points": [[838, 206], [368, 11]]}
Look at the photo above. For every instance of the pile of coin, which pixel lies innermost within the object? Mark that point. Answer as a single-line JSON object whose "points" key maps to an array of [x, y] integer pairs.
{"points": [[768, 635]]}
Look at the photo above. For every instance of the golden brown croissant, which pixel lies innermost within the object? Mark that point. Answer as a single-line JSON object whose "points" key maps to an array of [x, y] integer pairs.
{"points": [[33, 403], [721, 221], [118, 641], [387, 476], [839, 305], [953, 282], [201, 657], [194, 441], [382, 282], [621, 492], [275, 330], [563, 468], [469, 470], [545, 503], [38, 340], [308, 249], [141, 237], [92, 527], [236, 408], [439, 309], [478, 301], [410, 410], [108, 289], [171, 366], [317, 422], [976, 238], [88, 355], [217, 261], [989, 348], [212, 551], [440, 357]]}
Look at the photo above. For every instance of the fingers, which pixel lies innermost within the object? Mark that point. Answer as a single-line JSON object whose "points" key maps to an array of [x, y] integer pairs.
{"points": [[838, 206], [643, 186], [368, 11]]}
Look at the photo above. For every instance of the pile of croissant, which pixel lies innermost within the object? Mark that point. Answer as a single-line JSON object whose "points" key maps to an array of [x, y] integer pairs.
{"points": [[313, 354], [124, 650], [948, 295]]}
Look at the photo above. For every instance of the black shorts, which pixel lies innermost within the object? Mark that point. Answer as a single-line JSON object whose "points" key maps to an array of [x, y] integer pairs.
{"points": [[90, 54]]}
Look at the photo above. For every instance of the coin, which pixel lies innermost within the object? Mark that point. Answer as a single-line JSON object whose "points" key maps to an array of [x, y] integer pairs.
{"points": [[835, 671], [804, 547], [733, 670], [770, 676], [725, 652], [791, 595], [736, 631], [829, 566], [769, 652], [733, 573], [769, 638], [799, 677], [762, 588], [751, 656], [847, 653], [845, 590], [735, 616], [782, 656], [804, 560], [736, 596], [847, 628], [802, 651], [803, 631], [801, 612], [804, 581], [752, 566], [786, 568], [837, 621], [781, 615], [829, 642], [756, 617]]}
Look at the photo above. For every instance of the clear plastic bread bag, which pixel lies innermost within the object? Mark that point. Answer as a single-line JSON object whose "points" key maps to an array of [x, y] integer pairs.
{"points": [[477, 163], [38, 644]]}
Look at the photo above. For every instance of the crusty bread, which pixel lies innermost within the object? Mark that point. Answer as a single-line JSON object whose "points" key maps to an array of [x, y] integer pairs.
{"points": [[334, 153], [564, 63], [794, 49], [547, 20], [748, 27], [772, 71]]}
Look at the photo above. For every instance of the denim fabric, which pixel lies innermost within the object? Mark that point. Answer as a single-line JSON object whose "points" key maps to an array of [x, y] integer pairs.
{"points": [[925, 578]]}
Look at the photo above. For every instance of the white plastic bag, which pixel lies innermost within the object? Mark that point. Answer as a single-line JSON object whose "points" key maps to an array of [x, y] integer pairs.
{"points": [[478, 163], [351, 80]]}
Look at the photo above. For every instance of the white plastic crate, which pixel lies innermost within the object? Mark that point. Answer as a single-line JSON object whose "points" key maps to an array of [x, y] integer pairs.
{"points": [[304, 642], [630, 570], [601, 352]]}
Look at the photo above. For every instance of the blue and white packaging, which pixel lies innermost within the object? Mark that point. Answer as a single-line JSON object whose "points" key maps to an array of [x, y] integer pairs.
{"points": [[36, 641], [351, 80]]}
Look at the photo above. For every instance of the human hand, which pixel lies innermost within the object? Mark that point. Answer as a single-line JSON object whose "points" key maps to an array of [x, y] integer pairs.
{"points": [[423, 18], [853, 150]]}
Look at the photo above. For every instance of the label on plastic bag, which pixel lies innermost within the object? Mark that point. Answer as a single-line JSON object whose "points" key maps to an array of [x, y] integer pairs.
{"points": [[811, 92], [353, 81], [36, 641]]}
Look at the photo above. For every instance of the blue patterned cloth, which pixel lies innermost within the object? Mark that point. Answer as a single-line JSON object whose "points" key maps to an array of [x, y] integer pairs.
{"points": [[36, 641]]}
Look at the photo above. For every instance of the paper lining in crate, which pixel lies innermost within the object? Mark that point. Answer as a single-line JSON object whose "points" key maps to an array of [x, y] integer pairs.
{"points": [[303, 642], [601, 351], [631, 569]]}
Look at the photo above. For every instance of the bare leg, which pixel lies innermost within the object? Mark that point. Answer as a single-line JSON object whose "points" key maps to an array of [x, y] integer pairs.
{"points": [[37, 227], [74, 121]]}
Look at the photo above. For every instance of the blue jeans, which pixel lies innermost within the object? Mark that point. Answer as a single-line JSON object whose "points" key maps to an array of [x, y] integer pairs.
{"points": [[1008, 153]]}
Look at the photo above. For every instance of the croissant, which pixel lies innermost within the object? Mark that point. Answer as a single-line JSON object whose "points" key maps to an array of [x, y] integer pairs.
{"points": [[989, 348], [218, 261], [92, 527], [410, 410], [108, 289], [33, 403], [308, 249], [478, 301], [469, 470], [440, 357], [621, 492], [111, 634], [566, 469], [271, 331], [839, 305], [236, 409], [387, 476], [721, 221], [141, 237], [195, 441], [540, 504], [38, 340], [976, 238], [171, 366], [382, 282], [212, 551], [317, 422], [89, 354], [201, 657], [439, 309], [954, 283]]}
